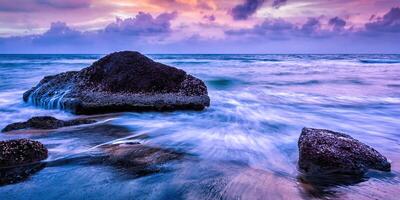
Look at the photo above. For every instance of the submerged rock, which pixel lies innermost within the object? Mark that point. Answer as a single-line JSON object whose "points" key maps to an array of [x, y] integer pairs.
{"points": [[18, 174], [21, 152], [138, 156], [121, 81], [327, 152], [45, 122]]}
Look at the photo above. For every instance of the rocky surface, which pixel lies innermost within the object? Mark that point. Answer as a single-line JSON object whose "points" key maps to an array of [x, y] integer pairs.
{"points": [[327, 152], [45, 122], [18, 174], [21, 152], [137, 155], [121, 81]]}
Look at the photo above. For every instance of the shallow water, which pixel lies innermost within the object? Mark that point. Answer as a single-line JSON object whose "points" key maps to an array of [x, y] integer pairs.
{"points": [[244, 146]]}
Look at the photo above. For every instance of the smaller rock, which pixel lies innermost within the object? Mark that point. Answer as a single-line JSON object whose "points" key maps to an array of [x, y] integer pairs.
{"points": [[45, 122], [12, 175], [20, 152], [137, 155], [328, 152]]}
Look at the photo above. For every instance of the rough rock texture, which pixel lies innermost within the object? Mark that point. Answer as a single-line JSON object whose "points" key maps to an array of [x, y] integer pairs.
{"points": [[20, 152], [45, 122], [327, 152], [121, 81]]}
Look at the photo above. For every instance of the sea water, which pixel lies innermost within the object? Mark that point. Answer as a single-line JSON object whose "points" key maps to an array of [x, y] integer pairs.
{"points": [[244, 146]]}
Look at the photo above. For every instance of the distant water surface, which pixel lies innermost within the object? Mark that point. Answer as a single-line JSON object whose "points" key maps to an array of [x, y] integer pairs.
{"points": [[244, 146]]}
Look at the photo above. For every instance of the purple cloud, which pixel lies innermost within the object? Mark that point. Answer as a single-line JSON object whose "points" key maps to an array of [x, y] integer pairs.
{"points": [[278, 3], [283, 30], [245, 10], [36, 5], [58, 32], [142, 24], [273, 29], [134, 32], [210, 18], [65, 4], [390, 22], [337, 23], [150, 34], [311, 27]]}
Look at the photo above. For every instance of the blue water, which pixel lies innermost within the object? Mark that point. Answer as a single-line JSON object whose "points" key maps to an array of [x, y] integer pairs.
{"points": [[244, 146]]}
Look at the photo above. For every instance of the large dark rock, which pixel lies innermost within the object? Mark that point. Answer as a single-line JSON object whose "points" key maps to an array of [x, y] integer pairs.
{"points": [[327, 152], [121, 81], [21, 152], [45, 122]]}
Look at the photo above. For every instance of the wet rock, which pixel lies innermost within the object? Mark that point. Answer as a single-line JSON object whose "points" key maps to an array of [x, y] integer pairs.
{"points": [[138, 156], [45, 122], [121, 81], [327, 152], [18, 174], [21, 152]]}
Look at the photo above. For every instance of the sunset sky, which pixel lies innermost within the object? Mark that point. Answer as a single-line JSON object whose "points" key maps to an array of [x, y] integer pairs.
{"points": [[200, 26]]}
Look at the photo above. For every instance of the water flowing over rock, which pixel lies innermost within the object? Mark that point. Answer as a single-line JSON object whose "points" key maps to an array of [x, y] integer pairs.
{"points": [[138, 156], [20, 152], [45, 122], [327, 152], [18, 174], [121, 81]]}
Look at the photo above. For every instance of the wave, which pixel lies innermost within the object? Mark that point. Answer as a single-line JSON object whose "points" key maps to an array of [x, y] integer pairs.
{"points": [[223, 83], [270, 60], [318, 82], [190, 62], [393, 85], [379, 61], [46, 62]]}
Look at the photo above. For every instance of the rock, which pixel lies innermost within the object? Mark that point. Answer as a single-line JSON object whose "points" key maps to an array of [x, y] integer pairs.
{"points": [[18, 174], [327, 152], [137, 155], [21, 152], [121, 81], [45, 122]]}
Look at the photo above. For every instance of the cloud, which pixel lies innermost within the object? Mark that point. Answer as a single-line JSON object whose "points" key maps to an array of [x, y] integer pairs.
{"points": [[59, 28], [65, 4], [281, 29], [142, 24], [390, 22], [210, 18], [337, 23], [40, 5], [136, 32], [311, 26], [58, 33], [270, 28], [19, 5], [278, 3], [155, 34], [245, 10]]}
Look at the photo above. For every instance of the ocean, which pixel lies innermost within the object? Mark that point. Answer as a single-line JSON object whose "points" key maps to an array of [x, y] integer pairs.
{"points": [[244, 146]]}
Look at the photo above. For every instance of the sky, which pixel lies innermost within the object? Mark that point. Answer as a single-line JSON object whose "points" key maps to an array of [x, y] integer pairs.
{"points": [[200, 26]]}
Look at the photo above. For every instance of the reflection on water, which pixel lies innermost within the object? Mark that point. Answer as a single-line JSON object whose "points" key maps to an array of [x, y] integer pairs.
{"points": [[242, 147]]}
